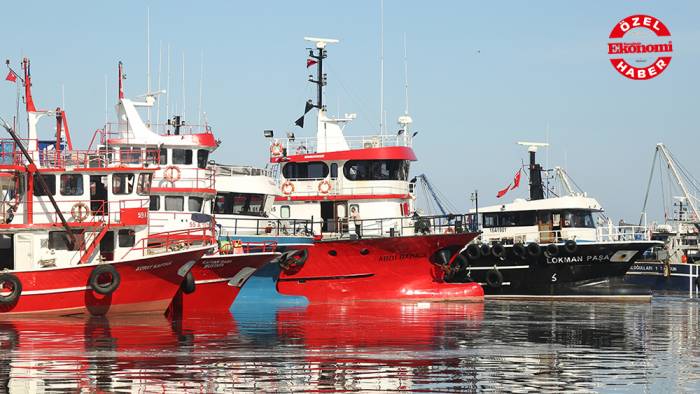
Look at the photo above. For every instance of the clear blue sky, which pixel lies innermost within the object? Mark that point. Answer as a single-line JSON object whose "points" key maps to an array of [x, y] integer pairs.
{"points": [[482, 76]]}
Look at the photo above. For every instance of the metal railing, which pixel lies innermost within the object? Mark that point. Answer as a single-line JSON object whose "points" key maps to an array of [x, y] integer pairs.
{"points": [[113, 130], [170, 241], [312, 187], [309, 145]]}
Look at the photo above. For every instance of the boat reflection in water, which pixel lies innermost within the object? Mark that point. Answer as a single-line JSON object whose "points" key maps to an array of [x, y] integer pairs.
{"points": [[496, 346]]}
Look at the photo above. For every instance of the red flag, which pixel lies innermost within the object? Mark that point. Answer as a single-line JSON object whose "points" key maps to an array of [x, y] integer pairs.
{"points": [[310, 62], [516, 180], [11, 76], [503, 192]]}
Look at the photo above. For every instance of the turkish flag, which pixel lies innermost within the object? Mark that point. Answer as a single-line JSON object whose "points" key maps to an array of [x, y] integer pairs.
{"points": [[503, 192], [310, 62], [516, 180], [11, 76]]}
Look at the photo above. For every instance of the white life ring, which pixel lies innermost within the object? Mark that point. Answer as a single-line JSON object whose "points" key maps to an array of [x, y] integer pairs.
{"points": [[171, 174], [287, 188], [276, 149], [324, 187]]}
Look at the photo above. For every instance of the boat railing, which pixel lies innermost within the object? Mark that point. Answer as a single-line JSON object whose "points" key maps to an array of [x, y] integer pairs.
{"points": [[121, 131], [309, 145], [86, 213], [323, 186], [171, 241], [265, 227], [227, 170], [623, 233], [227, 246], [180, 177]]}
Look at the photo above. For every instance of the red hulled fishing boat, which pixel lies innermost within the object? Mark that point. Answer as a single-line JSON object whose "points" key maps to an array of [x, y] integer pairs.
{"points": [[181, 199], [355, 190], [74, 234]]}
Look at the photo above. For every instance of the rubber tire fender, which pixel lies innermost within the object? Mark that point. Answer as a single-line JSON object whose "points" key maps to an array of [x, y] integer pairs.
{"points": [[570, 246], [188, 286], [473, 251], [552, 250], [519, 250], [16, 289], [498, 251], [95, 277], [494, 278], [534, 249]]}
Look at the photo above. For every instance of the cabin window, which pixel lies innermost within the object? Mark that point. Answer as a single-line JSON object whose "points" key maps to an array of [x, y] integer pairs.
{"points": [[202, 158], [130, 155], [509, 219], [240, 204], [72, 185], [311, 170], [581, 219], [163, 156], [376, 170], [143, 187], [50, 181], [127, 238], [194, 204], [122, 183], [174, 203], [152, 156], [154, 203], [285, 212], [59, 240], [182, 156], [334, 170]]}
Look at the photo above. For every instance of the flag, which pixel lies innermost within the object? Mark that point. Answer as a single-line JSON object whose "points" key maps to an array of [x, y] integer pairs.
{"points": [[300, 122], [310, 62], [308, 107], [11, 76], [503, 192], [516, 180]]}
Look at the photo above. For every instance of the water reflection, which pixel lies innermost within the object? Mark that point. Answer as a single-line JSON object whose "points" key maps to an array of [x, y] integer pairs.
{"points": [[500, 346]]}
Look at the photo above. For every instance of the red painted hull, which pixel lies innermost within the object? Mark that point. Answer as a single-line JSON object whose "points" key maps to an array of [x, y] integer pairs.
{"points": [[147, 284], [212, 274], [391, 268]]}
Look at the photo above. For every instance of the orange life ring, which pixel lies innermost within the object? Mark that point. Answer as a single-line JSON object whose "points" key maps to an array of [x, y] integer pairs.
{"points": [[287, 188], [324, 187], [79, 211], [171, 174], [276, 149], [449, 230]]}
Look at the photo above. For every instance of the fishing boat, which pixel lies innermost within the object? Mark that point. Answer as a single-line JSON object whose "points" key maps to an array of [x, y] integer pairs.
{"points": [[550, 246], [74, 235], [354, 195], [674, 266], [181, 198]]}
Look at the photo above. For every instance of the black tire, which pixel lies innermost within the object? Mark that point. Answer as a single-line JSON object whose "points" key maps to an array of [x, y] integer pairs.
{"points": [[297, 258], [519, 250], [16, 285], [498, 251], [485, 250], [443, 256], [188, 286], [473, 252], [552, 250], [101, 288], [494, 278], [570, 246], [534, 249], [460, 263]]}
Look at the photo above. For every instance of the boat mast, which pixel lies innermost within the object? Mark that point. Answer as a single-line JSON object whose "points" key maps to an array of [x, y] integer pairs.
{"points": [[536, 187], [660, 147], [321, 79]]}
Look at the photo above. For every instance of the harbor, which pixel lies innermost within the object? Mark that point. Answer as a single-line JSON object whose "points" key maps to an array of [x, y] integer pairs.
{"points": [[306, 242]]}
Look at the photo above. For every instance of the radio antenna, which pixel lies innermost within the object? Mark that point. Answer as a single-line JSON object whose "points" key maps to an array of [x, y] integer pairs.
{"points": [[381, 67]]}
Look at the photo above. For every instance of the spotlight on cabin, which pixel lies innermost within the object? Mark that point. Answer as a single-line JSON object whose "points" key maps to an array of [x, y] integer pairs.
{"points": [[290, 136], [268, 133]]}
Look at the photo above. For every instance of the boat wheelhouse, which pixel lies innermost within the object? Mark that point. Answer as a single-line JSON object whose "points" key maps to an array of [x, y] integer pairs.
{"points": [[357, 195], [75, 234]]}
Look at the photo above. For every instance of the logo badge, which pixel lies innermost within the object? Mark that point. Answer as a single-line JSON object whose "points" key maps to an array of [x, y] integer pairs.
{"points": [[640, 47]]}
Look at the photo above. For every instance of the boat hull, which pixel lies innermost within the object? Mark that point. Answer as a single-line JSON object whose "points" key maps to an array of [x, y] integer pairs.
{"points": [[218, 280], [390, 268], [147, 285], [675, 277], [591, 271]]}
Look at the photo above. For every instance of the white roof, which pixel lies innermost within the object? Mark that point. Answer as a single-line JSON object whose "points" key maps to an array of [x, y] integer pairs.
{"points": [[556, 203]]}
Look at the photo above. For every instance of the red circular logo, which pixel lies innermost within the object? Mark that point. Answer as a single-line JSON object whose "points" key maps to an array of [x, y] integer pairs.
{"points": [[640, 47]]}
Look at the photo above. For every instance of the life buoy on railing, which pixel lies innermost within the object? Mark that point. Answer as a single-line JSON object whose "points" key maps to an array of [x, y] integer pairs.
{"points": [[276, 149], [287, 188], [324, 187], [171, 174], [79, 211]]}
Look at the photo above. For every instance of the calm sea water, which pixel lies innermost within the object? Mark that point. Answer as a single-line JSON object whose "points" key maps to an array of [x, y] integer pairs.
{"points": [[444, 347]]}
